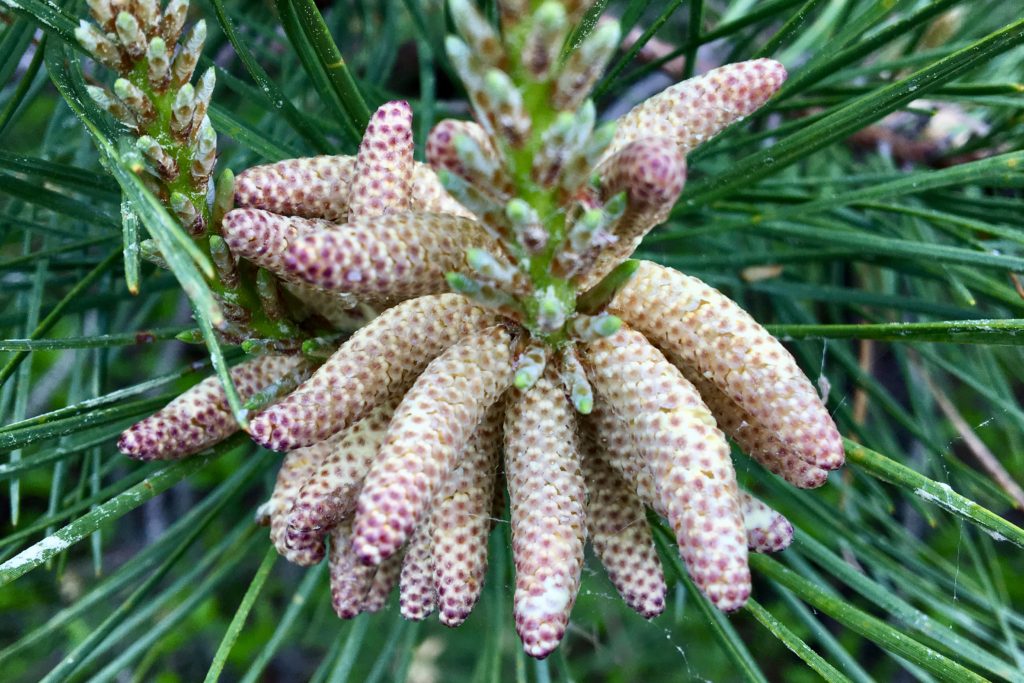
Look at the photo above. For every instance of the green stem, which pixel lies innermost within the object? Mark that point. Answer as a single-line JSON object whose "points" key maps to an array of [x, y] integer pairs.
{"points": [[238, 621], [877, 465], [545, 201], [118, 506], [861, 622]]}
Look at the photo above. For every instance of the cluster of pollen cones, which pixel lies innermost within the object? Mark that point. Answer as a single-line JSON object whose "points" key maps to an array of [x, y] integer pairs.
{"points": [[400, 447]]}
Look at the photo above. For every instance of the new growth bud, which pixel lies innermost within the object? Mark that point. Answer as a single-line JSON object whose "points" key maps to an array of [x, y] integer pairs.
{"points": [[257, 347], [505, 108], [480, 165], [185, 62], [551, 310], [563, 146], [114, 107], [578, 168], [159, 63], [526, 227], [224, 196], [320, 347], [512, 11], [203, 94], [520, 213], [103, 12], [544, 42], [530, 366], [484, 294], [132, 95], [497, 272], [205, 155], [148, 14], [591, 230], [575, 380], [462, 284], [600, 141], [485, 209], [98, 45], [584, 65], [131, 35], [187, 213], [477, 32], [269, 294], [583, 234], [497, 103], [223, 261], [589, 235], [163, 163], [588, 328], [150, 252], [182, 111], [173, 21]]}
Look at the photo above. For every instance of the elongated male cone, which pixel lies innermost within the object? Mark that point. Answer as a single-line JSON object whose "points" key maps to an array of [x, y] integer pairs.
{"points": [[615, 438], [417, 598], [652, 172], [767, 530], [320, 187], [298, 465], [384, 580], [547, 494], [329, 493], [687, 456], [696, 109], [350, 579], [618, 530], [201, 417], [751, 436], [264, 237], [585, 65], [376, 361], [311, 187], [431, 426], [710, 333], [461, 521], [383, 173], [394, 255]]}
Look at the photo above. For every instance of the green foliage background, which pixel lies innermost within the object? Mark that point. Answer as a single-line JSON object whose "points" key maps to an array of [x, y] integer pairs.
{"points": [[896, 286]]}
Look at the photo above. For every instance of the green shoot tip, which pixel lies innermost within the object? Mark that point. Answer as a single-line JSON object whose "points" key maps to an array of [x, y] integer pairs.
{"points": [[606, 325]]}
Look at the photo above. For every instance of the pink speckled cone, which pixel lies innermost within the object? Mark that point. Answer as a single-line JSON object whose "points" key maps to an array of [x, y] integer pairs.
{"points": [[714, 337], [546, 489], [201, 417], [376, 361], [618, 530], [431, 426], [688, 458], [461, 521], [696, 109]]}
